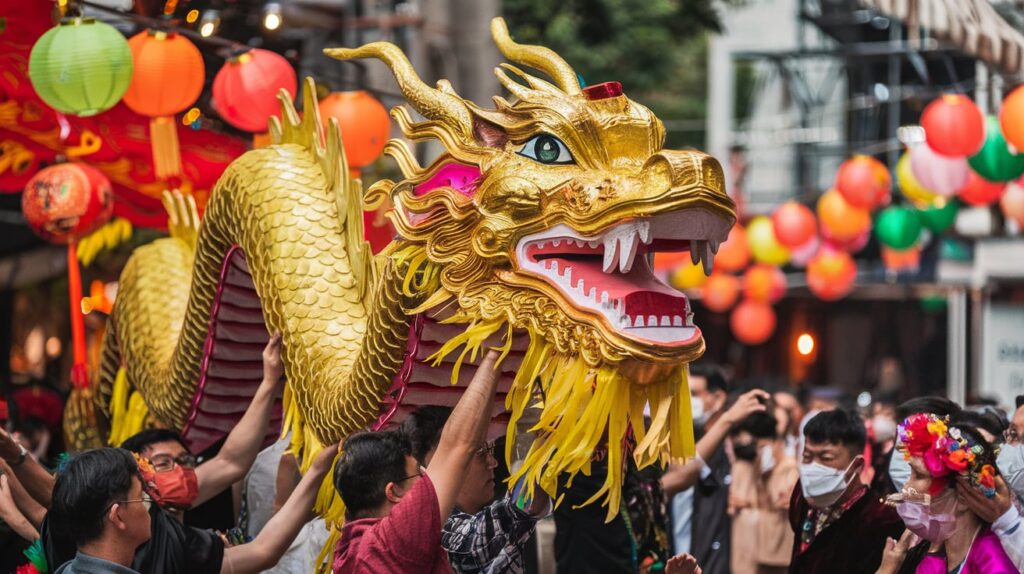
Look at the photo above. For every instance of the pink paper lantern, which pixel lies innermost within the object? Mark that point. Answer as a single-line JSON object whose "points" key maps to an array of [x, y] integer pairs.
{"points": [[940, 174], [1012, 202]]}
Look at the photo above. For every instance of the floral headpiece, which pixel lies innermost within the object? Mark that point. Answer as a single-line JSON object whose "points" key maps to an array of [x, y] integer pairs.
{"points": [[945, 451]]}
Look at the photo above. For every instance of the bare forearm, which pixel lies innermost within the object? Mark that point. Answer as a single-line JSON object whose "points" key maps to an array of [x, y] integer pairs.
{"points": [[21, 526], [279, 532], [37, 482], [243, 443], [680, 477], [467, 425]]}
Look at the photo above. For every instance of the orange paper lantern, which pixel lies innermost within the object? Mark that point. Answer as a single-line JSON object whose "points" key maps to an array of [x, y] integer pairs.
{"points": [[764, 284], [794, 225], [954, 126], [905, 260], [831, 274], [864, 182], [843, 221], [1011, 118], [720, 292], [733, 254], [752, 322], [364, 124], [169, 76]]}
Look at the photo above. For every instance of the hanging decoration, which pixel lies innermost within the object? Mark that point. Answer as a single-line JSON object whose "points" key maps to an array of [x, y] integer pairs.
{"points": [[800, 255], [909, 186], [939, 216], [763, 245], [831, 274], [1012, 203], [840, 220], [687, 275], [764, 284], [940, 174], [245, 89], [980, 192], [864, 182], [81, 67], [995, 161], [1011, 118], [898, 228], [953, 126], [364, 123], [62, 204], [720, 292], [752, 322], [851, 246], [157, 56], [734, 253], [905, 260], [794, 225]]}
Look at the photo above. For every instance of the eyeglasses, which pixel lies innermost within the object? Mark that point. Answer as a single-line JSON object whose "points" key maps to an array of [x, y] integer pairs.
{"points": [[486, 451], [1011, 436], [166, 462], [146, 501]]}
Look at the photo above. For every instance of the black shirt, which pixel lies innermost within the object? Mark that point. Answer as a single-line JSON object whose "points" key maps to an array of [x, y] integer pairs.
{"points": [[712, 527], [172, 548], [584, 542]]}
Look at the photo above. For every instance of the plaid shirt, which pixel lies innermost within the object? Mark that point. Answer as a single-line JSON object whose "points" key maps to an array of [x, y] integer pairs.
{"points": [[490, 541]]}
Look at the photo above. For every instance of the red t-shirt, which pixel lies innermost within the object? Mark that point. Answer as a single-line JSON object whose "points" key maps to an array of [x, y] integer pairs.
{"points": [[407, 540]]}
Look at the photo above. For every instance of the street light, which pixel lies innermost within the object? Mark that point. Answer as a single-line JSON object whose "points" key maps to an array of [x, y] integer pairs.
{"points": [[805, 344], [272, 16], [209, 23]]}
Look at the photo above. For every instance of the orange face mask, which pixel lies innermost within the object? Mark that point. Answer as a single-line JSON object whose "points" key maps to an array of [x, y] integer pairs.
{"points": [[177, 488]]}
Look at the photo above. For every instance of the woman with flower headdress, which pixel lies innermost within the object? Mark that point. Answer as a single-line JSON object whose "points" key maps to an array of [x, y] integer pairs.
{"points": [[953, 539]]}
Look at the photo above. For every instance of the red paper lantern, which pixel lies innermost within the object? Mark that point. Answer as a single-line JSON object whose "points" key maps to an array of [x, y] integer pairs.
{"points": [[64, 203], [752, 322], [720, 292], [841, 220], [734, 253], [864, 182], [831, 274], [850, 246], [169, 76], [794, 225], [245, 89], [364, 122], [980, 192], [954, 126], [1011, 118], [764, 284]]}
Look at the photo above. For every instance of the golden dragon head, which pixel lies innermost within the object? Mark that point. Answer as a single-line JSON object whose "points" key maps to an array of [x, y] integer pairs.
{"points": [[542, 215]]}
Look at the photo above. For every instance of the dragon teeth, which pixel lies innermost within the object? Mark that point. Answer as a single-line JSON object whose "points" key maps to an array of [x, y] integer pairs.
{"points": [[627, 251], [695, 252], [666, 321], [677, 321], [639, 321], [709, 258]]}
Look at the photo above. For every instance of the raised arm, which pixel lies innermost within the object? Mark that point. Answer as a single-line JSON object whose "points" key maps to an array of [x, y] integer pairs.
{"points": [[463, 434], [275, 538], [243, 443], [36, 480], [679, 477], [10, 514], [27, 505]]}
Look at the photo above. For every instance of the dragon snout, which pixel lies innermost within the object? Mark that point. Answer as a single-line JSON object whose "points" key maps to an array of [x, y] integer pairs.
{"points": [[673, 170]]}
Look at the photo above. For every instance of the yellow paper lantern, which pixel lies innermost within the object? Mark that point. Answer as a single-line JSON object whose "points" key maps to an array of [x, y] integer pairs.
{"points": [[909, 186], [763, 245]]}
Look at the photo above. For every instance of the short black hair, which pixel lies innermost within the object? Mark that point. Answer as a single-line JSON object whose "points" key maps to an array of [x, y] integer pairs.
{"points": [[939, 406], [761, 424], [986, 420], [423, 429], [368, 462], [712, 374], [89, 483], [839, 426], [1020, 401], [140, 441]]}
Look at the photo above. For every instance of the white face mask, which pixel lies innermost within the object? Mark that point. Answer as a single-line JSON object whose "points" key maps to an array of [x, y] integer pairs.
{"points": [[899, 470], [1011, 465], [884, 427], [767, 459], [697, 410], [823, 485]]}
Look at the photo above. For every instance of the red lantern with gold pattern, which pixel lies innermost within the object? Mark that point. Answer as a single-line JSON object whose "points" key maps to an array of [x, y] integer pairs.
{"points": [[63, 203]]}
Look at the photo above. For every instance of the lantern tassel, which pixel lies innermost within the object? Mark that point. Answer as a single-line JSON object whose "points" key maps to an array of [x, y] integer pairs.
{"points": [[79, 369], [163, 136]]}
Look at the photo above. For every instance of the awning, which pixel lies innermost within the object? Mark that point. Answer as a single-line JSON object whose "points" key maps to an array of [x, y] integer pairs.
{"points": [[974, 26]]}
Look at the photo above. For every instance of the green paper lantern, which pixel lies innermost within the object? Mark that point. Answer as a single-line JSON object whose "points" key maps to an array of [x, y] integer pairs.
{"points": [[81, 67], [939, 216], [898, 228], [995, 162]]}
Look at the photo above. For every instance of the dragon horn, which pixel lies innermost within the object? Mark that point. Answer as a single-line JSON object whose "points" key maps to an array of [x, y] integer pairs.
{"points": [[538, 57], [432, 103]]}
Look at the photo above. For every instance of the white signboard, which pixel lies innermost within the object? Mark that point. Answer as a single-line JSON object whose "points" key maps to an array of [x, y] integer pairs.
{"points": [[1002, 352]]}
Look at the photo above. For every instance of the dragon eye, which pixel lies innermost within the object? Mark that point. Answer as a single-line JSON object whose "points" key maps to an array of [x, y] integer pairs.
{"points": [[547, 149]]}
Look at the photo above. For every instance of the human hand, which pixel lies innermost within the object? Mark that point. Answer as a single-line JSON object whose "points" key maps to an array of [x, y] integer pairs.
{"points": [[10, 449], [987, 509], [747, 404], [895, 552], [682, 564], [273, 367], [324, 459]]}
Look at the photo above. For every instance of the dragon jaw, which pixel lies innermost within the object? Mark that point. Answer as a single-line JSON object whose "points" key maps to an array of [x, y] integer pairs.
{"points": [[608, 275]]}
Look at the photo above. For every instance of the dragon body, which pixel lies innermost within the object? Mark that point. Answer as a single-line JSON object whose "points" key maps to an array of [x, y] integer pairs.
{"points": [[531, 233]]}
